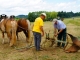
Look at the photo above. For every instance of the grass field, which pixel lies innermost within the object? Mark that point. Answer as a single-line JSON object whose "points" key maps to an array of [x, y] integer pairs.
{"points": [[49, 53]]}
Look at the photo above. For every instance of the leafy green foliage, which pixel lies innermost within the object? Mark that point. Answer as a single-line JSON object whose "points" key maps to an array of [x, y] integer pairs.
{"points": [[68, 14], [21, 16], [50, 15]]}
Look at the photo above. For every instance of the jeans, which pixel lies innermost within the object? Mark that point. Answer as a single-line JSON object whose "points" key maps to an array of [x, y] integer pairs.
{"points": [[62, 36], [37, 40]]}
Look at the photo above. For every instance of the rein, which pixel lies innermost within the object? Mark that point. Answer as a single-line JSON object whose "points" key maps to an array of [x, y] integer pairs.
{"points": [[21, 27]]}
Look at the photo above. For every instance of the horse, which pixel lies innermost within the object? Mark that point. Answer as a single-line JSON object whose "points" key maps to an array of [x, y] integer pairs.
{"points": [[75, 40], [10, 27], [75, 45], [24, 25]]}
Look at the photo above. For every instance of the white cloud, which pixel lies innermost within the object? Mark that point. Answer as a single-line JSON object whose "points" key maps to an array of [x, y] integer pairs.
{"points": [[17, 7]]}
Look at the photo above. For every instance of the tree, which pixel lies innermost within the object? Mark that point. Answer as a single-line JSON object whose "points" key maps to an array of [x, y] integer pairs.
{"points": [[50, 15]]}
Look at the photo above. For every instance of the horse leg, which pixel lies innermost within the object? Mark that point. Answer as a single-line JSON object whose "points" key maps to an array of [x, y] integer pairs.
{"points": [[17, 35], [9, 36], [13, 40], [3, 38], [27, 34]]}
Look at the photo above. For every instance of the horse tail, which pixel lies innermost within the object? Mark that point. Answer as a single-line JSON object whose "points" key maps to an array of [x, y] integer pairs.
{"points": [[29, 28], [14, 29]]}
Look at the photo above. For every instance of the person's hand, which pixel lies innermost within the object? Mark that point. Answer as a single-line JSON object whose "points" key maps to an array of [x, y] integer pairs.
{"points": [[42, 34], [56, 34]]}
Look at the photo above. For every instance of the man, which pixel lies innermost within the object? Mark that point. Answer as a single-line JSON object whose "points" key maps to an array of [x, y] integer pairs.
{"points": [[61, 27], [38, 30]]}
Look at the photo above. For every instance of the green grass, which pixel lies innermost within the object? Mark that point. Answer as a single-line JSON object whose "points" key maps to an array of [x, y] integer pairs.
{"points": [[75, 21]]}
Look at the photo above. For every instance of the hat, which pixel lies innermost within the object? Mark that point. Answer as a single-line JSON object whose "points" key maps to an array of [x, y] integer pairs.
{"points": [[43, 14], [54, 20]]}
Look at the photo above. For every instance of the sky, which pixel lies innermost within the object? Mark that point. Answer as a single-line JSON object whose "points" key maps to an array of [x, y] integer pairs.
{"points": [[17, 7]]}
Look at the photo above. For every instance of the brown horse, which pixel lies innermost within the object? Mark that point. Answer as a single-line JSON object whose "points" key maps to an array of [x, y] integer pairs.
{"points": [[10, 27], [24, 25], [75, 45]]}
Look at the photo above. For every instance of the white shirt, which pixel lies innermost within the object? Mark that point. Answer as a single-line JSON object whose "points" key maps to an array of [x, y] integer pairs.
{"points": [[60, 25]]}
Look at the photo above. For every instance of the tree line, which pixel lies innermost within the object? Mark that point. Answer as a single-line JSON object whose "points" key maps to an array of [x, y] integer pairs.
{"points": [[68, 14], [50, 15]]}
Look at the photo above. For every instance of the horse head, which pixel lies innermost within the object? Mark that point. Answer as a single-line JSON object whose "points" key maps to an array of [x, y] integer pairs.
{"points": [[12, 17], [3, 16]]}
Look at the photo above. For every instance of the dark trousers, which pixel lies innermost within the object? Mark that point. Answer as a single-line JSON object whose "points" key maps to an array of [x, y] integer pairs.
{"points": [[37, 40], [62, 36]]}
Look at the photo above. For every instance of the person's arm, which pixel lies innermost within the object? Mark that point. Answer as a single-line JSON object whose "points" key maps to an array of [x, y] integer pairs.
{"points": [[60, 31], [41, 28], [55, 31]]}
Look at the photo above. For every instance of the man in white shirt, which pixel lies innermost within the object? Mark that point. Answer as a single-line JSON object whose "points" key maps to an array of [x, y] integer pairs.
{"points": [[61, 27]]}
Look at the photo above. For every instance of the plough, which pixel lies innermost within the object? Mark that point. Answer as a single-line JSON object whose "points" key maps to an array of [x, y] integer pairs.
{"points": [[53, 40], [27, 47]]}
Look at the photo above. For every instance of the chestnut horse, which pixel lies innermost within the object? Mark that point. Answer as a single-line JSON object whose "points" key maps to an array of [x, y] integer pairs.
{"points": [[75, 45], [10, 27], [24, 25]]}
